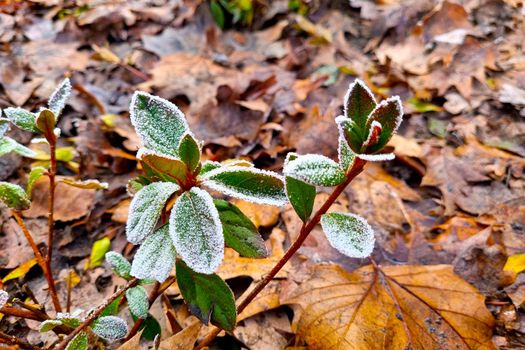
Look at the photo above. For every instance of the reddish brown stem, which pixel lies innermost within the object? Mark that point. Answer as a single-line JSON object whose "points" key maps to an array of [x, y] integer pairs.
{"points": [[303, 234], [19, 343], [12, 311], [132, 283]]}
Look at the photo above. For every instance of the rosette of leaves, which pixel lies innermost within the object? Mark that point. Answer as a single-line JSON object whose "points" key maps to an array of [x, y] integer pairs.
{"points": [[364, 130], [194, 228]]}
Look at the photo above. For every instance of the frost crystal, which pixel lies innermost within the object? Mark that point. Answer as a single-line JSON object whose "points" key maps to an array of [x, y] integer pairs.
{"points": [[3, 298], [315, 169], [145, 209], [159, 124], [196, 231], [118, 263], [138, 301], [110, 327], [21, 118], [376, 157], [155, 257], [359, 102], [58, 98], [345, 154], [250, 184], [350, 234], [4, 125]]}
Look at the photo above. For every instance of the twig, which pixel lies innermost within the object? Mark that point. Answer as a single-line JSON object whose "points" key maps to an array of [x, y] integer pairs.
{"points": [[40, 259], [305, 231], [12, 311], [132, 283], [10, 339]]}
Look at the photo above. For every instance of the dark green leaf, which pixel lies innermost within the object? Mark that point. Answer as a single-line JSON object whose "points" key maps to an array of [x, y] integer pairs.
{"points": [[189, 151], [302, 196], [217, 13], [150, 327], [208, 166], [359, 102], [14, 196], [350, 234], [208, 297], [389, 114], [112, 309]]}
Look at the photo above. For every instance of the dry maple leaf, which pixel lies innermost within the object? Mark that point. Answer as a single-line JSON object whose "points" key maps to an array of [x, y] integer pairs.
{"points": [[394, 307]]}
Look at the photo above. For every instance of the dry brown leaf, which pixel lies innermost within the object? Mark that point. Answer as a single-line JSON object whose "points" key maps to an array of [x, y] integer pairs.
{"points": [[184, 340], [266, 300], [132, 344], [395, 307], [260, 215]]}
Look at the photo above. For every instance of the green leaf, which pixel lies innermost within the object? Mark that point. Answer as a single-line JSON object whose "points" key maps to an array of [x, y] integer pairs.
{"points": [[166, 167], [251, 184], [22, 118], [70, 320], [119, 264], [359, 102], [208, 166], [112, 308], [159, 124], [138, 301], [34, 175], [45, 122], [14, 196], [4, 125], [302, 196], [389, 113], [8, 145], [156, 256], [58, 98], [65, 154], [48, 325], [79, 342], [239, 232], [145, 209], [189, 151], [350, 234], [150, 327], [110, 327], [351, 133], [196, 231], [345, 153], [98, 251], [316, 170], [217, 13], [208, 297]]}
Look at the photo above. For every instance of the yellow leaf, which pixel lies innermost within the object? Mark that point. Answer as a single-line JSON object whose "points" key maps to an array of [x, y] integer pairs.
{"points": [[515, 263], [100, 248], [393, 307], [86, 184], [20, 271]]}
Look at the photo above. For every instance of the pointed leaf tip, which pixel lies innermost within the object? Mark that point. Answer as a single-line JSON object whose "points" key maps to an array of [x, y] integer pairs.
{"points": [[316, 170], [358, 103], [57, 100]]}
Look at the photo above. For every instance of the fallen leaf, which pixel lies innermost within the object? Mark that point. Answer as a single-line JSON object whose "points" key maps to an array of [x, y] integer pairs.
{"points": [[20, 271], [393, 307], [184, 340], [132, 344], [515, 263]]}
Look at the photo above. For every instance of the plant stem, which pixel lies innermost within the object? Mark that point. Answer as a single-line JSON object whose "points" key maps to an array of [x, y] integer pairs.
{"points": [[19, 343], [40, 259], [132, 283], [306, 229], [12, 311]]}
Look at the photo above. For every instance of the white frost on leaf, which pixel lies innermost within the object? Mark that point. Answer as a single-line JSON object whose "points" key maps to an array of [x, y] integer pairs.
{"points": [[8, 145], [110, 327], [349, 233], [138, 301], [355, 83], [398, 106], [48, 325], [3, 298], [376, 157], [156, 256], [58, 98], [345, 154], [247, 183], [196, 231], [118, 263], [159, 124], [22, 118], [374, 126], [316, 170], [145, 209]]}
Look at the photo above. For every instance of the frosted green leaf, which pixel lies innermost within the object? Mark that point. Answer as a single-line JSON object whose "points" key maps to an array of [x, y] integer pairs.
{"points": [[350, 234], [138, 301], [34, 175], [189, 151], [79, 342], [3, 298], [196, 231], [4, 125], [48, 325], [166, 167], [22, 118], [358, 103], [119, 264], [145, 209], [316, 170], [208, 166], [301, 196], [159, 124], [110, 327], [376, 157], [345, 153], [390, 114], [156, 256], [14, 196], [8, 145], [69, 319], [58, 98], [251, 184], [289, 157], [351, 133]]}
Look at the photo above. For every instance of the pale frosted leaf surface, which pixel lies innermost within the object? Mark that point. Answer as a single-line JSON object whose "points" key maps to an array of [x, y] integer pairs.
{"points": [[315, 169], [247, 183], [159, 124], [145, 209], [119, 264], [138, 301], [4, 125], [7, 145], [376, 157], [156, 256], [350, 234], [359, 102], [48, 325], [110, 327], [22, 118], [57, 100], [14, 196], [390, 114], [208, 166], [345, 153], [3, 298], [79, 342], [196, 231], [69, 319]]}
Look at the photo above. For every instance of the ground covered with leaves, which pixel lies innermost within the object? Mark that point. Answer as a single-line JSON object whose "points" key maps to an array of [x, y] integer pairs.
{"points": [[448, 212]]}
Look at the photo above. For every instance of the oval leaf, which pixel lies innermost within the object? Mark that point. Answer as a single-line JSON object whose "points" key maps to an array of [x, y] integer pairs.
{"points": [[79, 342], [34, 175], [145, 209], [345, 154], [22, 118], [350, 234], [359, 102], [166, 167], [155, 257], [48, 325], [58, 98], [315, 169], [251, 184], [158, 122], [389, 113], [45, 122], [239, 231], [138, 301], [8, 145], [208, 297], [119, 264], [302, 196], [110, 327], [189, 151], [99, 249], [14, 196], [196, 231]]}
